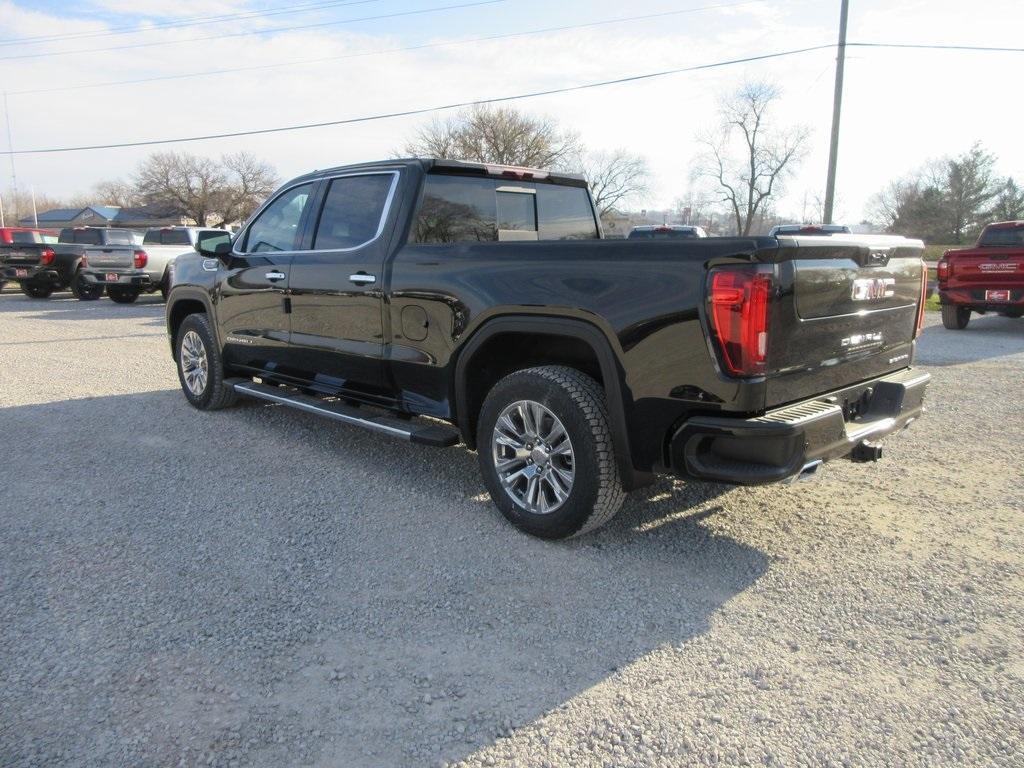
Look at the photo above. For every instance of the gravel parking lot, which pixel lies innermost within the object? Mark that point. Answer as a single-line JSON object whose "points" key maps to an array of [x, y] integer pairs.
{"points": [[258, 587]]}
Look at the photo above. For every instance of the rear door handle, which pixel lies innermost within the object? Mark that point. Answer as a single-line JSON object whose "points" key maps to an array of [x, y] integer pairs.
{"points": [[361, 278], [275, 276]]}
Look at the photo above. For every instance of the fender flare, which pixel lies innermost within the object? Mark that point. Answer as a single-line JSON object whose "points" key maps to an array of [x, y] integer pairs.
{"points": [[592, 336], [181, 293]]}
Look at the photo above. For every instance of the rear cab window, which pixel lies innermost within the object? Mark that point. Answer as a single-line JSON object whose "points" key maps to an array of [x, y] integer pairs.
{"points": [[460, 209], [116, 237], [82, 236], [1002, 237], [167, 237]]}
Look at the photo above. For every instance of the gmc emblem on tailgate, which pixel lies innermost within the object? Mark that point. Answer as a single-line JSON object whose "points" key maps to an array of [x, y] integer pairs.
{"points": [[871, 288]]}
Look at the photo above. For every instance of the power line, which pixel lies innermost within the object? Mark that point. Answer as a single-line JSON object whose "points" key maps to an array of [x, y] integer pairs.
{"points": [[247, 33], [362, 54], [190, 22], [425, 110], [922, 46]]}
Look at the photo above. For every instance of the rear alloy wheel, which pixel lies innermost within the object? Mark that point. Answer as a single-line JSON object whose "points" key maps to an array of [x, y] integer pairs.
{"points": [[200, 366], [545, 451], [122, 295], [37, 290], [84, 291], [954, 317]]}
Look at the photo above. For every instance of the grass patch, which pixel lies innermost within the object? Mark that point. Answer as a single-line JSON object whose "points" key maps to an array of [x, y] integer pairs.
{"points": [[932, 305]]}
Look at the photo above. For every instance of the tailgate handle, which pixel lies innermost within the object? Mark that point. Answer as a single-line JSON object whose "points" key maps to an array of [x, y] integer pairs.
{"points": [[275, 276]]}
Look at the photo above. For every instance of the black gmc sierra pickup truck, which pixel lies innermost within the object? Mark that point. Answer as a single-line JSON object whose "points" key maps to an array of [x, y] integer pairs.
{"points": [[441, 302]]}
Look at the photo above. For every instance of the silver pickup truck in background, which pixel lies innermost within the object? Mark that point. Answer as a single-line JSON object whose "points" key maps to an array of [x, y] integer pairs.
{"points": [[127, 276]]}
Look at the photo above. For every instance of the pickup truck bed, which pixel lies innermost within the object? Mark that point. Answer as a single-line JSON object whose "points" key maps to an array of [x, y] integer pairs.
{"points": [[482, 297]]}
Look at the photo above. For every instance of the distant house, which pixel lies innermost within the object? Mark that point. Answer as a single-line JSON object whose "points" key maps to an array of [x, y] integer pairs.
{"points": [[141, 217]]}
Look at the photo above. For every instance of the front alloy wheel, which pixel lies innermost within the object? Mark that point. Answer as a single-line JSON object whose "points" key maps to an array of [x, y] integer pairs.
{"points": [[195, 366], [533, 457], [200, 367]]}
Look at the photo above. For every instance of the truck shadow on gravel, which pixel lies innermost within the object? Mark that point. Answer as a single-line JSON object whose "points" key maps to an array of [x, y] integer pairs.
{"points": [[281, 591]]}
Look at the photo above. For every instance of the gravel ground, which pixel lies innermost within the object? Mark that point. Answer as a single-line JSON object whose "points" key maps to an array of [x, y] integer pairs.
{"points": [[257, 587]]}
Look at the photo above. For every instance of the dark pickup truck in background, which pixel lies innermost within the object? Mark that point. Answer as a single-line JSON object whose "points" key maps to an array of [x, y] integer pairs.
{"points": [[14, 236], [441, 302], [42, 268], [986, 278]]}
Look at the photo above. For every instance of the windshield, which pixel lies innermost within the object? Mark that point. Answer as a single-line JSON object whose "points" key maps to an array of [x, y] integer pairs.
{"points": [[1002, 237]]}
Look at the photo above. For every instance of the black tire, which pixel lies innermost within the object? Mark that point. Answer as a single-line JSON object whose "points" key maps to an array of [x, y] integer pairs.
{"points": [[36, 290], [216, 393], [578, 401], [165, 285], [84, 291], [955, 318], [122, 295]]}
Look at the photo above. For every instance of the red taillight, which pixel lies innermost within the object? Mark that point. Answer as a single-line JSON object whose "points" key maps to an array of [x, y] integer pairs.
{"points": [[141, 258], [738, 308], [47, 256], [924, 298], [944, 270]]}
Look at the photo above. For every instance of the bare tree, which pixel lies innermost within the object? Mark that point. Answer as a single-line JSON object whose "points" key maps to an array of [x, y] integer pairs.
{"points": [[499, 135], [115, 192], [206, 191], [249, 182], [746, 157], [615, 177]]}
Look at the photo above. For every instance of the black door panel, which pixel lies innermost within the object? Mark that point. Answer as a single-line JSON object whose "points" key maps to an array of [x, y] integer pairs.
{"points": [[337, 326], [252, 284]]}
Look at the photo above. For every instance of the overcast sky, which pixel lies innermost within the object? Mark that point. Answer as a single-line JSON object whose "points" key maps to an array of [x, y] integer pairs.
{"points": [[901, 107]]}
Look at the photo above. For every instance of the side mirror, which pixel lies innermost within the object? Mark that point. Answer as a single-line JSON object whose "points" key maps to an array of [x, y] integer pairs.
{"points": [[214, 245]]}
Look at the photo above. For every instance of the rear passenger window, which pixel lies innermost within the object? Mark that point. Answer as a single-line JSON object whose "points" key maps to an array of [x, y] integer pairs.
{"points": [[353, 211], [277, 227]]}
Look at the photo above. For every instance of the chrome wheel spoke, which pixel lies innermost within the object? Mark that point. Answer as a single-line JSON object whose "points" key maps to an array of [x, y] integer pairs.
{"points": [[533, 456], [194, 363]]}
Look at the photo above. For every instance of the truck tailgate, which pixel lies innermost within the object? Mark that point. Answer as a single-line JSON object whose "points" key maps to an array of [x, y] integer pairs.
{"points": [[110, 257], [846, 311], [20, 255], [987, 267]]}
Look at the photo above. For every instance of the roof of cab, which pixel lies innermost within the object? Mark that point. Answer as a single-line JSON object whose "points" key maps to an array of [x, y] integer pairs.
{"points": [[455, 167]]}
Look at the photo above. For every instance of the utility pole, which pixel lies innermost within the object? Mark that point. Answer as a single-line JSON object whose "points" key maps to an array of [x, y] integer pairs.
{"points": [[837, 108], [10, 146]]}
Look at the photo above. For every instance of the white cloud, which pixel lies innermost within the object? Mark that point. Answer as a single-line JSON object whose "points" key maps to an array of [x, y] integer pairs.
{"points": [[900, 108]]}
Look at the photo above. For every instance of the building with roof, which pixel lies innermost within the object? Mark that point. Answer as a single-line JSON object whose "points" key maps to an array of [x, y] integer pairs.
{"points": [[141, 217]]}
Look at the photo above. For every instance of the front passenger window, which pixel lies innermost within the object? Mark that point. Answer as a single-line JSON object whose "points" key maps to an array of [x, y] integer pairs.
{"points": [[277, 228]]}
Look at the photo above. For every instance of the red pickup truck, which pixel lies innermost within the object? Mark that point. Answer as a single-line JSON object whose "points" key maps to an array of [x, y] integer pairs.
{"points": [[986, 278]]}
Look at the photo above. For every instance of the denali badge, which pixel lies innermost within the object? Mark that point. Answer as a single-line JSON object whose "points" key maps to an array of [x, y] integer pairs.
{"points": [[870, 288], [862, 340]]}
